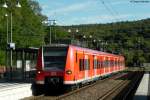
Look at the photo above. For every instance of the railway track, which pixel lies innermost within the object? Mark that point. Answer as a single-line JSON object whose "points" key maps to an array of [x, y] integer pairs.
{"points": [[113, 90], [126, 86], [75, 91], [117, 84]]}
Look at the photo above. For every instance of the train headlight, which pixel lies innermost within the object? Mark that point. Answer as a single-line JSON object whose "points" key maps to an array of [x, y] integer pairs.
{"points": [[39, 72], [68, 72]]}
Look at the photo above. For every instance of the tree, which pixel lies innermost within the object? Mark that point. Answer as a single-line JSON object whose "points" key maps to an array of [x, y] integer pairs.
{"points": [[27, 25]]}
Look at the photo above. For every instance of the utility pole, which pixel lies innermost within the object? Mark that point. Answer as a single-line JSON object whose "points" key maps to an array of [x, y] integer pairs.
{"points": [[51, 22]]}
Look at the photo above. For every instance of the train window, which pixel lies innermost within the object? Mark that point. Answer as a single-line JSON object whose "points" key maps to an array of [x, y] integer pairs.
{"points": [[106, 63], [54, 57], [95, 63], [112, 63], [87, 64], [81, 64], [120, 63], [115, 63], [100, 64], [76, 57]]}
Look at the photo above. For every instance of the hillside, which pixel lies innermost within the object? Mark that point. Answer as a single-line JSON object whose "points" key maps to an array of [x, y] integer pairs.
{"points": [[131, 39]]}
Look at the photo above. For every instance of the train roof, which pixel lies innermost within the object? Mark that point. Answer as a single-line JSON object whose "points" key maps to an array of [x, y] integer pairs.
{"points": [[93, 51], [82, 49], [57, 45]]}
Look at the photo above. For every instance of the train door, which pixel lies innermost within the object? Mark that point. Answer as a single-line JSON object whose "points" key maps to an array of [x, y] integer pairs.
{"points": [[120, 64], [113, 64], [116, 64], [80, 59], [104, 69], [108, 64], [101, 65], [95, 66], [86, 65]]}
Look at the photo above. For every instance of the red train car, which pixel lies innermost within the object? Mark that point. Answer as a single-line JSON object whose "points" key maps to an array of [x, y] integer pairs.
{"points": [[67, 65]]}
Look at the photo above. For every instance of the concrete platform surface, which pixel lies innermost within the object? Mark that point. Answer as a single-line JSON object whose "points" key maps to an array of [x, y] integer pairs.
{"points": [[14, 91], [142, 93]]}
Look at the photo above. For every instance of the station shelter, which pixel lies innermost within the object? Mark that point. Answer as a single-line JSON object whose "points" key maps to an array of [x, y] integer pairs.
{"points": [[21, 67]]}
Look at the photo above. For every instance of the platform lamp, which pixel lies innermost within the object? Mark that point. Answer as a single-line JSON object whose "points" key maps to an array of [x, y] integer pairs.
{"points": [[90, 41], [11, 44]]}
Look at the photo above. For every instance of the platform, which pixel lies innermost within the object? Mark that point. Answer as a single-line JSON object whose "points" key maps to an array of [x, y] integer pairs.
{"points": [[143, 91], [14, 91]]}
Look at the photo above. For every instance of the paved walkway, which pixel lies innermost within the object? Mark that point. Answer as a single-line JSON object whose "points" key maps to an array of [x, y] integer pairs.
{"points": [[143, 91], [14, 91]]}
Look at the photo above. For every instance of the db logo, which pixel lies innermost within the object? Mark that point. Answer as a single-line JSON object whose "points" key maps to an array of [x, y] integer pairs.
{"points": [[53, 73]]}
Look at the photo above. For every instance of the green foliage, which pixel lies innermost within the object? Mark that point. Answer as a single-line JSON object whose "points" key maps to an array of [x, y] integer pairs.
{"points": [[2, 57], [132, 39], [27, 25]]}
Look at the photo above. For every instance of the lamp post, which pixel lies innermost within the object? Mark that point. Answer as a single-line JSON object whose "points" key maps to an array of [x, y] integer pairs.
{"points": [[84, 41], [54, 24], [139, 47], [6, 15], [69, 31], [73, 34], [11, 44], [90, 41], [102, 43], [94, 44], [50, 23], [99, 46]]}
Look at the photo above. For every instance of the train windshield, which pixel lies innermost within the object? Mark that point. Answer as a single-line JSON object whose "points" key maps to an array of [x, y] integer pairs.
{"points": [[54, 58]]}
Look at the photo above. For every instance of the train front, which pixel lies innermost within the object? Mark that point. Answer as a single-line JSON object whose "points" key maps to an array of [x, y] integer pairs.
{"points": [[50, 65]]}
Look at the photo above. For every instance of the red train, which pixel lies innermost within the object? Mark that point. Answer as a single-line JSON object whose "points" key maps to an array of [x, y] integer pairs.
{"points": [[68, 65]]}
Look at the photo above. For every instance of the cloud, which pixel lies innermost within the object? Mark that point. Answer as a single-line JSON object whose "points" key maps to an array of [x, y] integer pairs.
{"points": [[45, 6], [70, 8], [92, 11]]}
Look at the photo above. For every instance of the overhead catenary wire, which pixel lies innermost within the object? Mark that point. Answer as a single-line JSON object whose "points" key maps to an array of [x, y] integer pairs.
{"points": [[114, 10], [110, 11]]}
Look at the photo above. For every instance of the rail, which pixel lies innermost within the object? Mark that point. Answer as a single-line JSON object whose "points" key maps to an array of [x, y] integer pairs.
{"points": [[63, 96], [127, 87]]}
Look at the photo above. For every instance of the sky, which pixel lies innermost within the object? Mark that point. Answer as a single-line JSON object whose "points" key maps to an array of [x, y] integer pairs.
{"points": [[75, 12]]}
